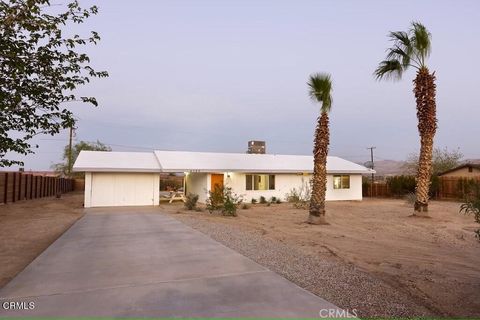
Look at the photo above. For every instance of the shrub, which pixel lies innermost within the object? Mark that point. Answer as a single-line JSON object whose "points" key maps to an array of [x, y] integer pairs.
{"points": [[191, 201], [231, 201], [254, 201], [268, 204], [300, 197], [273, 199], [170, 184], [263, 200], [215, 198], [245, 206], [401, 185], [278, 201], [224, 200], [472, 206]]}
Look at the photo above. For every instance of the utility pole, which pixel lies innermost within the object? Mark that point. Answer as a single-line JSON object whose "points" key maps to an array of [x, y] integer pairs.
{"points": [[70, 152], [373, 164]]}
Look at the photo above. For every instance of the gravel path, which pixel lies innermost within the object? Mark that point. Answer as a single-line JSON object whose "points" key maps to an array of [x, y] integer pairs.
{"points": [[328, 277]]}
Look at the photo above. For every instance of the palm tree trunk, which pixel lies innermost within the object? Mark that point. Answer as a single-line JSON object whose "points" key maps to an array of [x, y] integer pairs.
{"points": [[319, 181], [427, 124]]}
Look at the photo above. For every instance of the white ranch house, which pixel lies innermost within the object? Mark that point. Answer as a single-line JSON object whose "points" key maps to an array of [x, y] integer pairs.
{"points": [[133, 178]]}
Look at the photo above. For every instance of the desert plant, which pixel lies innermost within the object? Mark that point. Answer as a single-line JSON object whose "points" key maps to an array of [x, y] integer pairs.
{"points": [[472, 206], [215, 198], [411, 49], [320, 90], [231, 202], [300, 197], [245, 206], [278, 201], [191, 201], [273, 199], [263, 200], [269, 204], [224, 200], [254, 201]]}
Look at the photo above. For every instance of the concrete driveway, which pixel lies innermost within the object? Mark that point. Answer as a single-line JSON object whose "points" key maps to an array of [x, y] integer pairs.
{"points": [[125, 262]]}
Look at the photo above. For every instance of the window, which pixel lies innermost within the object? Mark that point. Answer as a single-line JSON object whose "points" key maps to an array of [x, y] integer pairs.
{"points": [[341, 182], [260, 182]]}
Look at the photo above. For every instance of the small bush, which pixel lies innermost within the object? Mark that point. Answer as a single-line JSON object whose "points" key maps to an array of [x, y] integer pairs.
{"points": [[278, 201], [401, 185], [472, 206], [224, 200], [215, 198], [245, 206], [254, 201], [268, 204], [273, 199], [300, 197], [191, 201], [263, 200]]}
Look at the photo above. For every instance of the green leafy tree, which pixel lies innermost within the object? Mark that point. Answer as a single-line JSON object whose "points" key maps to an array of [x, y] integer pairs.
{"points": [[411, 50], [40, 69], [320, 90], [64, 168], [442, 160]]}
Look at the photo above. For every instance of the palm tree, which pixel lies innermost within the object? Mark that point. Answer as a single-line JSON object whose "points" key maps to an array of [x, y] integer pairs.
{"points": [[411, 49], [319, 90]]}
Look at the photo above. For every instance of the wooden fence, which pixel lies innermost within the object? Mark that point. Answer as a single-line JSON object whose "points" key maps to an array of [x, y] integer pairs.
{"points": [[457, 187], [17, 186], [449, 188]]}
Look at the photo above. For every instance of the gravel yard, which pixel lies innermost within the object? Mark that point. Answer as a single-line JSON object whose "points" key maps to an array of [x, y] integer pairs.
{"points": [[391, 276]]}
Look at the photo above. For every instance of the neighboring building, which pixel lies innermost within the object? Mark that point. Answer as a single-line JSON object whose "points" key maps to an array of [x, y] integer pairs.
{"points": [[467, 170], [131, 178], [255, 146]]}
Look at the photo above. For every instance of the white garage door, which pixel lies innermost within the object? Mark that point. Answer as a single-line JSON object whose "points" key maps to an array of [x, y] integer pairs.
{"points": [[123, 189]]}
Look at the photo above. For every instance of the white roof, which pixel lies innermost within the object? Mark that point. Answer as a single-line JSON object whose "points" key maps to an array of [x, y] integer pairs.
{"points": [[185, 161], [109, 161]]}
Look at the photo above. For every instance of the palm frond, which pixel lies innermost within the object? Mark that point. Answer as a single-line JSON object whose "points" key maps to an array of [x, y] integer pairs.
{"points": [[320, 90], [389, 69], [421, 40], [397, 53], [409, 49], [401, 38]]}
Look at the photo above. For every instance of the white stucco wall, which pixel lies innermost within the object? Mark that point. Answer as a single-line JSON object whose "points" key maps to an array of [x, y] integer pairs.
{"points": [[283, 184], [198, 183], [354, 193], [88, 190]]}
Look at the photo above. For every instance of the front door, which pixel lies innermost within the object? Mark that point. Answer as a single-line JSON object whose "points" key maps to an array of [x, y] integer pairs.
{"points": [[216, 180]]}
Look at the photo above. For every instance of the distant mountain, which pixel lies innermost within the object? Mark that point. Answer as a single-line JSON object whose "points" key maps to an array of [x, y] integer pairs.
{"points": [[393, 167], [389, 167], [472, 161]]}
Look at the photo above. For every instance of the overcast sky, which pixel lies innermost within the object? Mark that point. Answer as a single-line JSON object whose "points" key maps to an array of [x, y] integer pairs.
{"points": [[211, 75]]}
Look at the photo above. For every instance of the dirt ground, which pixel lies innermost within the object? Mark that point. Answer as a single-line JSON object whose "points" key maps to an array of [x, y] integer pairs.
{"points": [[436, 260], [27, 228]]}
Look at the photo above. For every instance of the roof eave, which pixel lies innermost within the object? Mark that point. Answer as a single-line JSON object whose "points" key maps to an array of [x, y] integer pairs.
{"points": [[131, 170]]}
